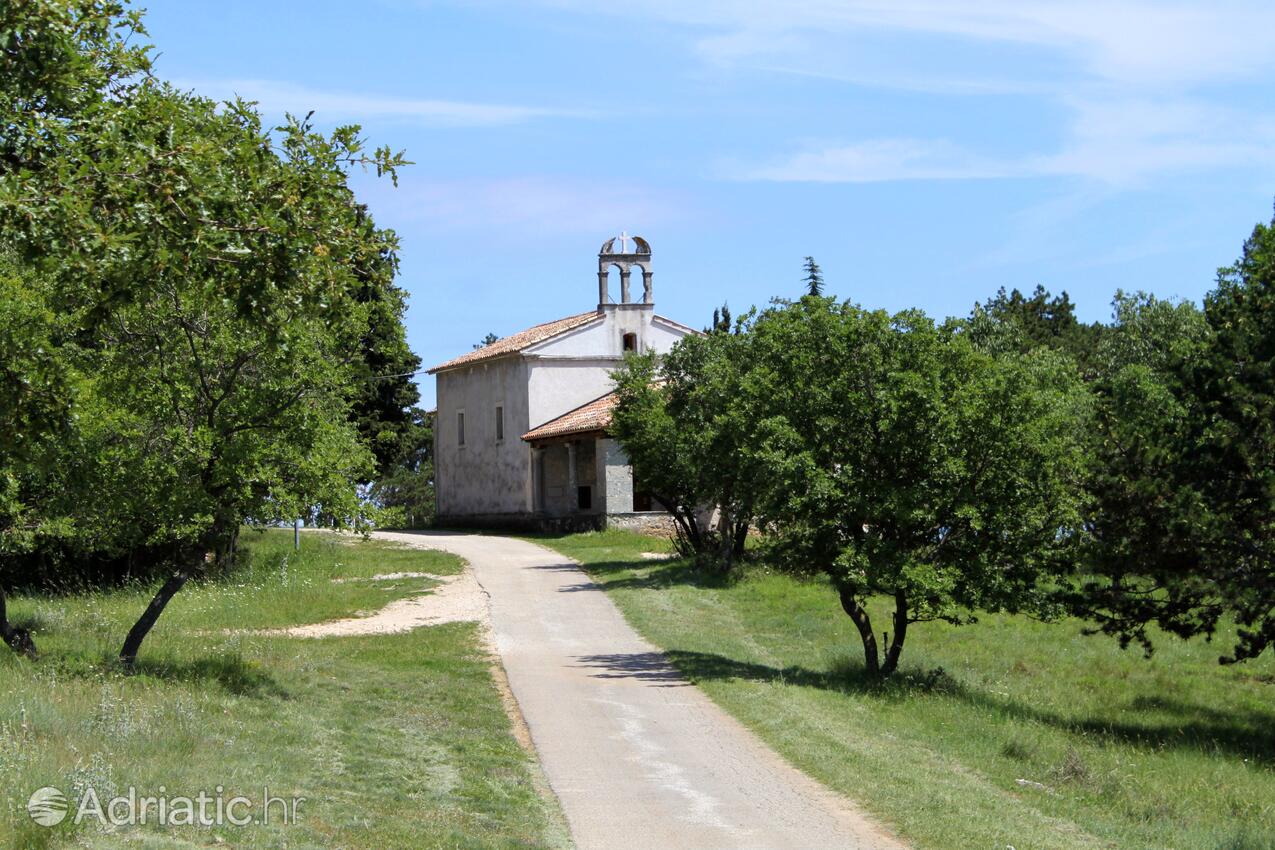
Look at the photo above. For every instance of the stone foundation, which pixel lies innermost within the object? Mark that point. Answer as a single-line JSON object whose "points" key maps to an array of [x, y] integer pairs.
{"points": [[646, 522]]}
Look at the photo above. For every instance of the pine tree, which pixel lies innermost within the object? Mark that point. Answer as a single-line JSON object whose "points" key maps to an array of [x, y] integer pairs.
{"points": [[814, 277], [721, 320]]}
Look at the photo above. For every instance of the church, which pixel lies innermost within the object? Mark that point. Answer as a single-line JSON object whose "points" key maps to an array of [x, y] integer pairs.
{"points": [[520, 436]]}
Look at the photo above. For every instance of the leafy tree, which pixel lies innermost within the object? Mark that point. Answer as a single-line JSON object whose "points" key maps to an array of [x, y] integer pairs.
{"points": [[681, 428], [813, 278], [487, 340], [900, 459], [222, 285], [35, 390]]}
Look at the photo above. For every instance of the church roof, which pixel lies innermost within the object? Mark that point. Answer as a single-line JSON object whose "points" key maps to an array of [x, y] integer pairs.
{"points": [[519, 341], [585, 419]]}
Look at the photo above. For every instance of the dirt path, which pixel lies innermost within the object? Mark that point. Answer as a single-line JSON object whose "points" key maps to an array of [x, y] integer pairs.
{"points": [[458, 598], [638, 757]]}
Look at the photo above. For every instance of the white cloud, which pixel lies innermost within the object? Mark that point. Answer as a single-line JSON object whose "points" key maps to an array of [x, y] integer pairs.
{"points": [[276, 97], [1112, 141], [878, 160], [1134, 42], [517, 209]]}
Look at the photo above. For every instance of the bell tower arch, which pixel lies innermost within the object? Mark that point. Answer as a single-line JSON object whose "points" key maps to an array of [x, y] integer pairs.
{"points": [[615, 253]]}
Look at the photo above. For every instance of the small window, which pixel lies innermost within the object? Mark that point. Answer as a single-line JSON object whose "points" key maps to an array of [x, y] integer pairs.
{"points": [[630, 342], [584, 498], [500, 423], [460, 429]]}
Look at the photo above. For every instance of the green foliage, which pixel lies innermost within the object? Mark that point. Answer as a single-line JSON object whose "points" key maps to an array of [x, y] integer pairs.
{"points": [[1144, 518], [408, 487], [1184, 527], [660, 449], [1041, 320], [861, 443], [217, 312], [900, 459], [813, 278], [486, 341], [721, 320], [1236, 465]]}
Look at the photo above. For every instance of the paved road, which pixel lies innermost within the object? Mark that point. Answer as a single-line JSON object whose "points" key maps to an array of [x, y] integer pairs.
{"points": [[638, 757]]}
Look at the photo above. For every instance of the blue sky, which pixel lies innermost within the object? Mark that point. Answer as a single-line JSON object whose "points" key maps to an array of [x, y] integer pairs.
{"points": [[925, 153]]}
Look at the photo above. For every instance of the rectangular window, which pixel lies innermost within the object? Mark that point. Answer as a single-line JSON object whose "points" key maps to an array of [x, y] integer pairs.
{"points": [[460, 428], [584, 498], [630, 342], [500, 423]]}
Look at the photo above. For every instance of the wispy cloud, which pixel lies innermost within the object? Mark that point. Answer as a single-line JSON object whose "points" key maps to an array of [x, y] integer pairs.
{"points": [[1153, 42], [1115, 142], [517, 209], [1140, 83], [278, 97], [874, 161]]}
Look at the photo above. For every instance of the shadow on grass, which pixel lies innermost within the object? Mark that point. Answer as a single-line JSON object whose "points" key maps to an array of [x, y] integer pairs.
{"points": [[1244, 732], [229, 672], [659, 575]]}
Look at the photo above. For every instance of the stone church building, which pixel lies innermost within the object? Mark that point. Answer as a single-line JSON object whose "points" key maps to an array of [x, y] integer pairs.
{"points": [[521, 430]]}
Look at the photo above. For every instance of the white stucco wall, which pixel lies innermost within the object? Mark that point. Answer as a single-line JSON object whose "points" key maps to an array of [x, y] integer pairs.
{"points": [[485, 476]]}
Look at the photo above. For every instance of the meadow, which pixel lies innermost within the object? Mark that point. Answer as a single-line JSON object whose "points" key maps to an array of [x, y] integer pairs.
{"points": [[1006, 733], [392, 740]]}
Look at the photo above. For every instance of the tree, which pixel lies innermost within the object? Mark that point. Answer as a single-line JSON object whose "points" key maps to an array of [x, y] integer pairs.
{"points": [[1184, 533], [1235, 384], [487, 340], [35, 390], [222, 286], [721, 320], [409, 484], [1043, 320], [678, 422], [813, 278], [1139, 556], [873, 437], [385, 392]]}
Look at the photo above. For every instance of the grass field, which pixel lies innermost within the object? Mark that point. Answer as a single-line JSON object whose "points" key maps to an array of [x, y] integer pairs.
{"points": [[394, 741], [1112, 750]]}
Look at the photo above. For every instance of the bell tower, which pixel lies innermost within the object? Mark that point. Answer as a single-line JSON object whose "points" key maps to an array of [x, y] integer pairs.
{"points": [[615, 252]]}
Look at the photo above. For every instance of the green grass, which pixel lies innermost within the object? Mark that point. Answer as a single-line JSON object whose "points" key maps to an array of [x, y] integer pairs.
{"points": [[1171, 752], [394, 741]]}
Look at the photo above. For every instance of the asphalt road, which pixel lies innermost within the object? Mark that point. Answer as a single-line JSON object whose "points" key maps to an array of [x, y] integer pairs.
{"points": [[638, 757]]}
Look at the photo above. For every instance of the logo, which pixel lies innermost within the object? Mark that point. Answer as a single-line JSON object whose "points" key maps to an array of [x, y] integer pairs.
{"points": [[47, 807]]}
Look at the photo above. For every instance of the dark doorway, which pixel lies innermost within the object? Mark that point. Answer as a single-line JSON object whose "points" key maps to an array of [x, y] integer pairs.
{"points": [[641, 500], [584, 498]]}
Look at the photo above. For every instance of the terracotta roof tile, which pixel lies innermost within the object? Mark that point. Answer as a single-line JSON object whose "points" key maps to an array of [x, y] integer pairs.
{"points": [[519, 341], [594, 416]]}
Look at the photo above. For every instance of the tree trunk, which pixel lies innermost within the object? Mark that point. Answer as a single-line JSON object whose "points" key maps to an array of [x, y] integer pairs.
{"points": [[725, 541], [133, 643], [859, 614], [19, 640], [900, 633], [741, 537]]}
